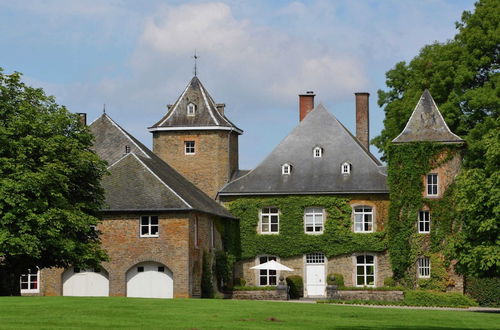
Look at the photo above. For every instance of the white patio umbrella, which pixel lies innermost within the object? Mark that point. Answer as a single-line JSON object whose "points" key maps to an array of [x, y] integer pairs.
{"points": [[272, 265]]}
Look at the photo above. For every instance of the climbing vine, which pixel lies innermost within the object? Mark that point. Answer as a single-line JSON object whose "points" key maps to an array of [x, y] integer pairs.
{"points": [[337, 238], [408, 164]]}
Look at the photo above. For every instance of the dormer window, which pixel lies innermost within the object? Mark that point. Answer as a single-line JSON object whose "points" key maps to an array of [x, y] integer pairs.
{"points": [[286, 169], [191, 108], [317, 152], [346, 168]]}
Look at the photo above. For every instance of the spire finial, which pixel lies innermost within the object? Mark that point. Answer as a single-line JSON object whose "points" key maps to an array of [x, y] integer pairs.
{"points": [[104, 108], [195, 63]]}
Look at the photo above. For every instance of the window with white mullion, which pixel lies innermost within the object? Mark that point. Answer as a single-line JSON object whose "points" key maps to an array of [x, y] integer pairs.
{"points": [[30, 282], [432, 184], [424, 222], [267, 276], [269, 220], [189, 148], [424, 267], [313, 220], [363, 219], [365, 270], [149, 226]]}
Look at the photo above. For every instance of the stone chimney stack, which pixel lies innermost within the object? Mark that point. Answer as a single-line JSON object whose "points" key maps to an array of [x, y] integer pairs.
{"points": [[221, 107], [306, 104], [83, 118], [363, 119]]}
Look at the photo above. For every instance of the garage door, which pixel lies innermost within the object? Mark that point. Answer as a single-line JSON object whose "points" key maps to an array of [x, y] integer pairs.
{"points": [[85, 282], [150, 280]]}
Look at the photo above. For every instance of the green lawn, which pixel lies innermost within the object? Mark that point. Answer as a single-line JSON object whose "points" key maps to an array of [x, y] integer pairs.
{"points": [[99, 313]]}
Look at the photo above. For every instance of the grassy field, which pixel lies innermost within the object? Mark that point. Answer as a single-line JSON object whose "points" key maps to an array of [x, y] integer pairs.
{"points": [[102, 313]]}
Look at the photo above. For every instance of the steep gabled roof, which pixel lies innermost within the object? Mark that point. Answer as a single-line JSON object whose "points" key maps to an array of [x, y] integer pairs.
{"points": [[314, 175], [207, 114], [140, 180], [426, 124]]}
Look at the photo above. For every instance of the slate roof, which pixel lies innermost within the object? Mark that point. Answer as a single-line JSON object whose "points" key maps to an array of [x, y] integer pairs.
{"points": [[426, 124], [314, 175], [207, 114], [139, 180]]}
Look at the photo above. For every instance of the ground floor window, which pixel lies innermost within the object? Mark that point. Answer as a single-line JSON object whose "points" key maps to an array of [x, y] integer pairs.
{"points": [[315, 258], [424, 267], [365, 270], [30, 282], [267, 276]]}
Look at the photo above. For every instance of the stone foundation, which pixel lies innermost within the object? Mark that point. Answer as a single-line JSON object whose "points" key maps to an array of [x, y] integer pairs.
{"points": [[280, 293]]}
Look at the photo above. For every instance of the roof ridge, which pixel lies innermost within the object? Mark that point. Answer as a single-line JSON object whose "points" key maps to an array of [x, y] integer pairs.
{"points": [[138, 144]]}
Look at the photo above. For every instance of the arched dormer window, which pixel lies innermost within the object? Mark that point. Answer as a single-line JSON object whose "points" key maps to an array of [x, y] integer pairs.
{"points": [[317, 152], [191, 109], [286, 169], [346, 168]]}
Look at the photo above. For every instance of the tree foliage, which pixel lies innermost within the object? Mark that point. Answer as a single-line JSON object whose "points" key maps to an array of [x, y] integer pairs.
{"points": [[50, 189], [463, 76]]}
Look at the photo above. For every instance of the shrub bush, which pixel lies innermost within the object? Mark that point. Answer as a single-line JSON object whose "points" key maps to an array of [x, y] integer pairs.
{"points": [[207, 288], [389, 281], [240, 281], [338, 279], [296, 286], [486, 291], [437, 299]]}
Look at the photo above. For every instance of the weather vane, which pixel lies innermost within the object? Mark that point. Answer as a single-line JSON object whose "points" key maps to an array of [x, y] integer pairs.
{"points": [[104, 108], [195, 63]]}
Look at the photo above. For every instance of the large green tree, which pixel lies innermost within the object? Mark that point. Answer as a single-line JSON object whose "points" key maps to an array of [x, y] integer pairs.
{"points": [[463, 76], [50, 191]]}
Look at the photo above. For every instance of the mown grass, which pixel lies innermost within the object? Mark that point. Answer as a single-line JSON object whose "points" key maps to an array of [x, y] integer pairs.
{"points": [[127, 313]]}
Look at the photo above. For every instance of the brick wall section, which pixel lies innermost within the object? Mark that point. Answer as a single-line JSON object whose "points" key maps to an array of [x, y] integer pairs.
{"points": [[216, 156], [261, 295], [371, 295], [362, 119], [446, 175]]}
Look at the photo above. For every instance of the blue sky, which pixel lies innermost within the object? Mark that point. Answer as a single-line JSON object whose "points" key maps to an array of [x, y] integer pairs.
{"points": [[255, 56]]}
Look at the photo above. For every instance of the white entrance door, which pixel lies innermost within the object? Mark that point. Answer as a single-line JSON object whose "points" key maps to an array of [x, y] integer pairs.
{"points": [[150, 280], [85, 282], [315, 274]]}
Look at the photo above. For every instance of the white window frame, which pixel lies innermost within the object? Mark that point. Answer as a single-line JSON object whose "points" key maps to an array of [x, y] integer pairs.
{"points": [[315, 258], [190, 147], [346, 168], [191, 109], [363, 218], [286, 169], [317, 152], [318, 220], [424, 267], [149, 226], [424, 220], [268, 274], [266, 216], [365, 265], [431, 185], [30, 279]]}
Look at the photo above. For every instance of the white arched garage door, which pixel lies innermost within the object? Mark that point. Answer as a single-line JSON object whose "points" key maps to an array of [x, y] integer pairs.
{"points": [[150, 280], [85, 282]]}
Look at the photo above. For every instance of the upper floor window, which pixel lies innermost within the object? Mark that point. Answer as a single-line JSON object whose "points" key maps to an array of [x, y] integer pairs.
{"points": [[424, 222], [191, 109], [30, 282], [286, 168], [313, 220], [269, 220], [432, 184], [365, 270], [267, 276], [189, 148], [424, 267], [317, 152], [346, 168], [363, 219], [149, 226]]}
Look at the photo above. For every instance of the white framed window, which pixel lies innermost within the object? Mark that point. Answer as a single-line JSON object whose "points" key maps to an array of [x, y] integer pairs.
{"points": [[189, 148], [432, 184], [424, 267], [269, 220], [424, 222], [346, 168], [314, 220], [317, 152], [30, 282], [191, 109], [363, 219], [365, 270], [286, 168], [315, 258], [267, 276], [149, 226]]}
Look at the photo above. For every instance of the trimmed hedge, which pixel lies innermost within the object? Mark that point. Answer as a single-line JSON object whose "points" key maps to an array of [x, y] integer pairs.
{"points": [[486, 291], [296, 286], [437, 299]]}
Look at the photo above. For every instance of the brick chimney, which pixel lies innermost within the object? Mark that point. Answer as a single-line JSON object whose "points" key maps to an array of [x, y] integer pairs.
{"points": [[220, 107], [363, 119], [306, 104], [83, 118]]}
